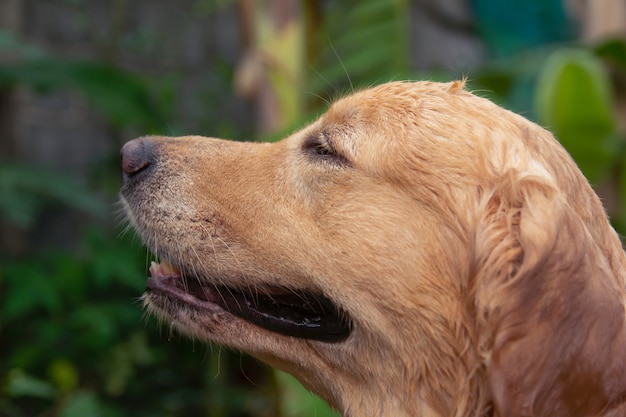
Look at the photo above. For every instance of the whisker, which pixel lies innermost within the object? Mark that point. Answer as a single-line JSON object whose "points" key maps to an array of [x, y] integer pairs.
{"points": [[245, 375], [342, 65], [334, 87], [219, 363]]}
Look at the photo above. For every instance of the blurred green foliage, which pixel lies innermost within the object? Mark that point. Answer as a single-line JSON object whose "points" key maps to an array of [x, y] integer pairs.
{"points": [[26, 190], [517, 25], [372, 52], [129, 103], [574, 99], [74, 341], [80, 346]]}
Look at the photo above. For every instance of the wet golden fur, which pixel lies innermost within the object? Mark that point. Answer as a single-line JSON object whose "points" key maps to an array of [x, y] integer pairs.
{"points": [[477, 265]]}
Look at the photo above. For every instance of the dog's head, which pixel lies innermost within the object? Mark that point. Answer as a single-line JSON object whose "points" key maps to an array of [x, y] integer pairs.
{"points": [[415, 251]]}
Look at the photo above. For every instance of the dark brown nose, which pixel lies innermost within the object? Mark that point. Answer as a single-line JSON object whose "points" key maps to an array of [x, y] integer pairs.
{"points": [[136, 155]]}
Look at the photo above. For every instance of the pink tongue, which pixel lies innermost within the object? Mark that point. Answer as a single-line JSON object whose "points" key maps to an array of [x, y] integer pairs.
{"points": [[163, 269]]}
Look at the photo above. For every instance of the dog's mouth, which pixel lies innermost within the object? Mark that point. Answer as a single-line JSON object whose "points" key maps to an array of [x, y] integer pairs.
{"points": [[288, 312]]}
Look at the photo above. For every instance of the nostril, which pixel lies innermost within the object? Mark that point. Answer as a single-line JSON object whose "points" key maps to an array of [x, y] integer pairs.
{"points": [[136, 156]]}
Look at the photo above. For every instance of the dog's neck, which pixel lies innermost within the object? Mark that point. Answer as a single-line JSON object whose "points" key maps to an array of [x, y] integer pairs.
{"points": [[402, 386], [391, 409]]}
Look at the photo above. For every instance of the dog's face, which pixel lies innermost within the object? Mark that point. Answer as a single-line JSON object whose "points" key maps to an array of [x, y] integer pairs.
{"points": [[359, 253]]}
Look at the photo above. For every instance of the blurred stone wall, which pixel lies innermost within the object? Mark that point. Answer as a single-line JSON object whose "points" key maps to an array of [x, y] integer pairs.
{"points": [[443, 37], [189, 44], [193, 39], [61, 129]]}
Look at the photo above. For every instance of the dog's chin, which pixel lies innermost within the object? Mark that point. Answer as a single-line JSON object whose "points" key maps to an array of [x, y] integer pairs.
{"points": [[288, 312]]}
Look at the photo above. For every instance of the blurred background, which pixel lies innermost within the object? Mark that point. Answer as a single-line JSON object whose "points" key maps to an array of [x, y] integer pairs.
{"points": [[78, 78]]}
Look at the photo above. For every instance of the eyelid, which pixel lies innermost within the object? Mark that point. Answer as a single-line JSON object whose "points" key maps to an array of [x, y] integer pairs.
{"points": [[320, 146], [318, 141], [314, 139]]}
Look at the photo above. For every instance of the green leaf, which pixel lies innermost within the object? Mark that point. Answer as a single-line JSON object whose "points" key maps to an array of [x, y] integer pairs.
{"points": [[621, 219], [24, 190], [121, 263], [122, 97], [82, 404], [15, 46], [97, 321], [613, 50], [64, 374], [20, 384], [574, 100], [31, 288]]}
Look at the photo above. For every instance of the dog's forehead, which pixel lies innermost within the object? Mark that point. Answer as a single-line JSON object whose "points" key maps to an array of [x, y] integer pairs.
{"points": [[394, 105], [368, 121], [371, 102]]}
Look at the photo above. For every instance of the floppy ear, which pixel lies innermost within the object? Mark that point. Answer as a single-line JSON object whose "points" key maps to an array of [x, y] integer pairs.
{"points": [[549, 310]]}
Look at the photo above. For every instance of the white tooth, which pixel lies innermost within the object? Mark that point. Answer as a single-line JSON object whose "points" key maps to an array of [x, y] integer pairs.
{"points": [[154, 269]]}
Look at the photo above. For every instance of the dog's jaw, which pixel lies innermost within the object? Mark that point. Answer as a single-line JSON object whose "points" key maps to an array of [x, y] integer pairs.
{"points": [[294, 313], [307, 360]]}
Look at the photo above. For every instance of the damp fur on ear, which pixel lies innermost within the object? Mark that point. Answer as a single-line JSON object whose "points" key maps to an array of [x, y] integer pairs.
{"points": [[548, 305]]}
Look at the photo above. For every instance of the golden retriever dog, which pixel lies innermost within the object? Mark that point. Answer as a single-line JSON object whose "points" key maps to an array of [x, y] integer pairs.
{"points": [[416, 251]]}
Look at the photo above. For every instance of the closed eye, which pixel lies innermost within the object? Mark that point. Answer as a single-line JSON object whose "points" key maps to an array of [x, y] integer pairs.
{"points": [[320, 147]]}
